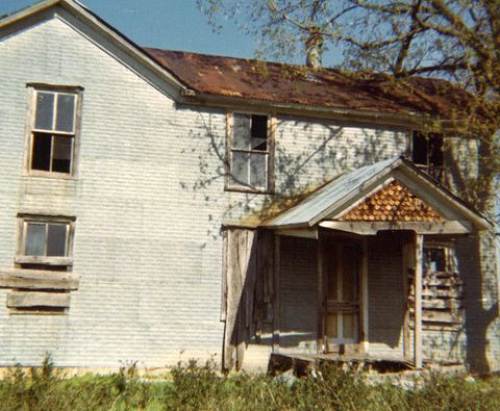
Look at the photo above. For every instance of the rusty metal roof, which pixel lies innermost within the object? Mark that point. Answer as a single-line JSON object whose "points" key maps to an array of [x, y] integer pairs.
{"points": [[293, 84]]}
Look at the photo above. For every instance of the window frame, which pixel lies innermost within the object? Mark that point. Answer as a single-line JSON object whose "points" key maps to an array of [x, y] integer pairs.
{"points": [[230, 183], [34, 89], [57, 261]]}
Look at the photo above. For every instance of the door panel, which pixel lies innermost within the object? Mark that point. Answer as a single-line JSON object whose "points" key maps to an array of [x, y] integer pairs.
{"points": [[342, 273]]}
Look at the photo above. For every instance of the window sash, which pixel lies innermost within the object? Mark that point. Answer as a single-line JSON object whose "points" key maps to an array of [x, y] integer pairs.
{"points": [[46, 225], [250, 178], [251, 175], [55, 112], [53, 136]]}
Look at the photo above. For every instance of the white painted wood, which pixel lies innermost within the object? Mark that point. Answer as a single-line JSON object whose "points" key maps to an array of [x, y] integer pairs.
{"points": [[419, 243], [304, 233], [371, 228]]}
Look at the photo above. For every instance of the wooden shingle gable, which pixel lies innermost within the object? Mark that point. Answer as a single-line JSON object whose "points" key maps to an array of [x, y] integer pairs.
{"points": [[393, 202]]}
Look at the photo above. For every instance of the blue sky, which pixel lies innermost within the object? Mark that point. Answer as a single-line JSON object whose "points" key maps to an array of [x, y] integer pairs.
{"points": [[169, 24]]}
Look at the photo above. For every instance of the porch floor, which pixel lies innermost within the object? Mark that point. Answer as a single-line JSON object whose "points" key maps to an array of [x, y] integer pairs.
{"points": [[301, 363]]}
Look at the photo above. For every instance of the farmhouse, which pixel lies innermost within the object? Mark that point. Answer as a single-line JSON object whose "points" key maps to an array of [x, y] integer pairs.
{"points": [[160, 205]]}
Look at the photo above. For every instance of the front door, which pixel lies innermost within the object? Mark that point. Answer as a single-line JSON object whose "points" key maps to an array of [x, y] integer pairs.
{"points": [[342, 274]]}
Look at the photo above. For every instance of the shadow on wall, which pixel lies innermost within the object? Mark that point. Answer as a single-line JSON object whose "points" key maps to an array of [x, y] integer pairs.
{"points": [[481, 300], [306, 156]]}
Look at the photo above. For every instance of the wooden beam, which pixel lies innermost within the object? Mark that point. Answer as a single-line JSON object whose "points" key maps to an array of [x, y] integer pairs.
{"points": [[29, 299], [419, 244], [372, 227], [301, 233], [276, 305], [51, 261], [39, 280]]}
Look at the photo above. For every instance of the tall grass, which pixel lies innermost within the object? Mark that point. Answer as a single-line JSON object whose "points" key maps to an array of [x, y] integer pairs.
{"points": [[193, 387]]}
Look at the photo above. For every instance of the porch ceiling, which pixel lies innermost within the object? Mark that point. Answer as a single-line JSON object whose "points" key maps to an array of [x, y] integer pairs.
{"points": [[349, 190]]}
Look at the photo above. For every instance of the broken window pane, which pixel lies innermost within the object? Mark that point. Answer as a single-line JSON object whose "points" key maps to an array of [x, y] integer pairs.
{"points": [[35, 240], [239, 168], [65, 112], [40, 156], [434, 260], [420, 149], [259, 126], [44, 111], [56, 240], [241, 131], [61, 154], [258, 170]]}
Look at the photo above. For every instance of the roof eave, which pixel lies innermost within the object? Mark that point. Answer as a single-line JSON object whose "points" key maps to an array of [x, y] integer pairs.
{"points": [[403, 120]]}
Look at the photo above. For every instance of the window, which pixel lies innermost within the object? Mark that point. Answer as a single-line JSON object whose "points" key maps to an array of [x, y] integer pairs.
{"points": [[45, 240], [250, 152], [427, 149], [439, 257], [53, 132]]}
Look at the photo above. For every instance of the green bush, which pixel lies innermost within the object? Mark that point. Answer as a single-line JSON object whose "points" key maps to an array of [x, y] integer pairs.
{"points": [[194, 387]]}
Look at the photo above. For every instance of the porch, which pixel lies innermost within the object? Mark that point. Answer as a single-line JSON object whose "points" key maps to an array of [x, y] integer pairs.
{"points": [[362, 270]]}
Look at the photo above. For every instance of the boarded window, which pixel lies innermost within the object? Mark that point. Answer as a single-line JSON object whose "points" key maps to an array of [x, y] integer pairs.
{"points": [[250, 155], [54, 132]]}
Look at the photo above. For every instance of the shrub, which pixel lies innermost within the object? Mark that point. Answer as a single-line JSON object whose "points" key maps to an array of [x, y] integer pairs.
{"points": [[201, 387]]}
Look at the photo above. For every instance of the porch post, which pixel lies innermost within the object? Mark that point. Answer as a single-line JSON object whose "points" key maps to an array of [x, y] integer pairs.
{"points": [[364, 296], [419, 242], [320, 348], [276, 305]]}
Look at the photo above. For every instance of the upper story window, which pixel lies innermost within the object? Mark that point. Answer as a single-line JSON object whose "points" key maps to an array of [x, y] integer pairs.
{"points": [[53, 133], [250, 156], [427, 149]]}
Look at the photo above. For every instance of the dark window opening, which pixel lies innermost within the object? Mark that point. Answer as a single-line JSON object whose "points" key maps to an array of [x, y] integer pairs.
{"points": [[427, 149], [259, 132], [434, 260], [51, 153], [40, 157]]}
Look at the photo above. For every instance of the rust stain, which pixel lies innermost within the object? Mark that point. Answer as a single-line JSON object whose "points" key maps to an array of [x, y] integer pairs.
{"points": [[393, 203], [284, 83]]}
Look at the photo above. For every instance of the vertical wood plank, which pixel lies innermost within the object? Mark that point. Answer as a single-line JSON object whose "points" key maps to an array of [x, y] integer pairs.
{"points": [[419, 242], [407, 264], [276, 305], [320, 346], [364, 297]]}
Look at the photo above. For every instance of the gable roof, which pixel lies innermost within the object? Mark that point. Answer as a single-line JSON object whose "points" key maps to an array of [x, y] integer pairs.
{"points": [[117, 38], [347, 190], [293, 84]]}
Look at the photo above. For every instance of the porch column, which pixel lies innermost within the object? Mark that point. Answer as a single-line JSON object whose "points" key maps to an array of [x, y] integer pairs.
{"points": [[276, 302], [320, 339], [417, 284]]}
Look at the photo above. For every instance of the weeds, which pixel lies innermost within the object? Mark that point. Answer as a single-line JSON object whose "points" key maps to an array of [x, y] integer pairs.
{"points": [[194, 387]]}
